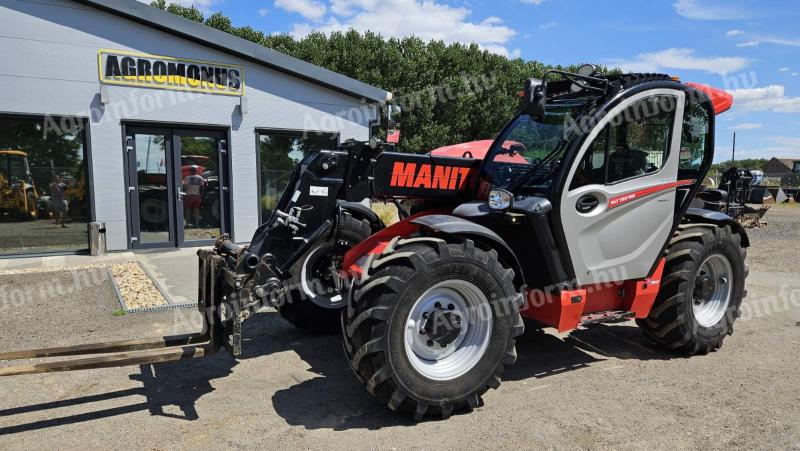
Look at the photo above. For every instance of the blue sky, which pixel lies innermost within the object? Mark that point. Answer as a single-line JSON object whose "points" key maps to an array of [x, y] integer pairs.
{"points": [[749, 48]]}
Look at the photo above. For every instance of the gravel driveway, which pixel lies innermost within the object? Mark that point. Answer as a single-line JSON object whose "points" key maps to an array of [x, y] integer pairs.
{"points": [[598, 388]]}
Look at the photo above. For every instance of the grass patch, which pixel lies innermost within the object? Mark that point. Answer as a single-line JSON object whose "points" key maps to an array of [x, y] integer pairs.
{"points": [[118, 312]]}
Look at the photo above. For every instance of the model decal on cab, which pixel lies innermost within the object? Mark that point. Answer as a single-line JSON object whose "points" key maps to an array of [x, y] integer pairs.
{"points": [[622, 199]]}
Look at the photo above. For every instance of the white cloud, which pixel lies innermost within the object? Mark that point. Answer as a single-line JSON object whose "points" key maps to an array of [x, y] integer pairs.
{"points": [[428, 20], [784, 69], [769, 98], [533, 2], [681, 59], [745, 126], [548, 25], [310, 9], [794, 74], [263, 12], [692, 9], [734, 33], [791, 42], [748, 44]]}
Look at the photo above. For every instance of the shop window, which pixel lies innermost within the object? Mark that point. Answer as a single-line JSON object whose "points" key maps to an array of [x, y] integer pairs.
{"points": [[44, 202], [279, 152], [634, 143]]}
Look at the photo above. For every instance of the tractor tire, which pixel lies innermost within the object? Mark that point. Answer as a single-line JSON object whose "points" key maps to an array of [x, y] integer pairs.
{"points": [[701, 290], [311, 301], [393, 337]]}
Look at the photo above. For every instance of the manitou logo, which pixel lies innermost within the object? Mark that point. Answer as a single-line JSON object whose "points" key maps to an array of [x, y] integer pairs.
{"points": [[411, 175]]}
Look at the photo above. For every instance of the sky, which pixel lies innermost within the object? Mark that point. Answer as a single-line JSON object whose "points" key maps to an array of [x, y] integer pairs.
{"points": [[750, 48]]}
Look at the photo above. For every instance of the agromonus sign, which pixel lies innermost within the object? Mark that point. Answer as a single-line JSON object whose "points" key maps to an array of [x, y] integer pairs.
{"points": [[162, 72]]}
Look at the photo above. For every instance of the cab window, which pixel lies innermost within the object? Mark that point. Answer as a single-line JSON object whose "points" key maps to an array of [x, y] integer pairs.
{"points": [[634, 143], [695, 136]]}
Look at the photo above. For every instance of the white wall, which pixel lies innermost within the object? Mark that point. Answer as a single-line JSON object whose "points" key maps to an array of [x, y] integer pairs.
{"points": [[49, 53]]}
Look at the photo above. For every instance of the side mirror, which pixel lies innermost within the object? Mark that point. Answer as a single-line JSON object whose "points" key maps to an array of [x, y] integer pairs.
{"points": [[533, 98], [393, 123], [393, 116]]}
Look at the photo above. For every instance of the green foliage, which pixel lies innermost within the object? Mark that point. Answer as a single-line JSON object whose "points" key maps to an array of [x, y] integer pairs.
{"points": [[449, 93], [749, 163]]}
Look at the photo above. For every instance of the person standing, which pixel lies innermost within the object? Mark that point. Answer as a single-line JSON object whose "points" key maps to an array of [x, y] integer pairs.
{"points": [[58, 197], [193, 187]]}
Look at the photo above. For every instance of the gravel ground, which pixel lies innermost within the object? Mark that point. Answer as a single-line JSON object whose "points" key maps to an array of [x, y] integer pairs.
{"points": [[135, 286], [598, 388]]}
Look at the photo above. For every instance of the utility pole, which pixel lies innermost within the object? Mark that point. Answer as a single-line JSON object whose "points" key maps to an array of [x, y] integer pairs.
{"points": [[733, 152]]}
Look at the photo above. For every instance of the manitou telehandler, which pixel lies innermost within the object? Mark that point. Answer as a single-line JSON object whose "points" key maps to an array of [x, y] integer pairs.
{"points": [[579, 213]]}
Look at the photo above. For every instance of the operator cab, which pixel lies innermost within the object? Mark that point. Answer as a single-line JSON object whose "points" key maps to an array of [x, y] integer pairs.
{"points": [[591, 168]]}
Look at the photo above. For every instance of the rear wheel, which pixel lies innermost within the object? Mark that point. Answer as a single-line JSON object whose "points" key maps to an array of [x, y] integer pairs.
{"points": [[701, 291], [431, 325], [313, 302]]}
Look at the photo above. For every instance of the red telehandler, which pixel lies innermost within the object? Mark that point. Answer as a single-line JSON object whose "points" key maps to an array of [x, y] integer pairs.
{"points": [[580, 212]]}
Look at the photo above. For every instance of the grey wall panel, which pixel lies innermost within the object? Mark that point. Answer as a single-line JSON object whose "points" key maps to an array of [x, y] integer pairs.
{"points": [[49, 49]]}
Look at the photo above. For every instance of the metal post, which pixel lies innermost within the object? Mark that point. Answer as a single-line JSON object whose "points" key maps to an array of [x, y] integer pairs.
{"points": [[733, 152]]}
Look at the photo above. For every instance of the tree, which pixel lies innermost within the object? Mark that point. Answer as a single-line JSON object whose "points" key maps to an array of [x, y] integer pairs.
{"points": [[449, 93]]}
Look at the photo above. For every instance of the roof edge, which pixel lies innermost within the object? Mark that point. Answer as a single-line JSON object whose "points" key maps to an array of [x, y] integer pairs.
{"points": [[234, 45]]}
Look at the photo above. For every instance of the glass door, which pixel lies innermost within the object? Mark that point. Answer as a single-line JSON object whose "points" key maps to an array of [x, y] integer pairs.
{"points": [[177, 186], [150, 187], [202, 189]]}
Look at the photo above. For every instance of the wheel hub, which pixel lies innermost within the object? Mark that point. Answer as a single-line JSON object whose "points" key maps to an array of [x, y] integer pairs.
{"points": [[703, 287], [441, 326], [448, 330], [712, 290]]}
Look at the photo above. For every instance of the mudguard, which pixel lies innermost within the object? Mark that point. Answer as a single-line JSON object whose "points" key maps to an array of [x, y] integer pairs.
{"points": [[717, 218], [455, 226]]}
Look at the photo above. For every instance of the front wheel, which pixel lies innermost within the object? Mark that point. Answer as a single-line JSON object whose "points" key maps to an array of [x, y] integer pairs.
{"points": [[701, 291], [432, 325], [312, 301]]}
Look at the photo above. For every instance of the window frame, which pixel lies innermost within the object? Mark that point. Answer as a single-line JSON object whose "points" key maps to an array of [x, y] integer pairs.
{"points": [[605, 161], [258, 131], [89, 174]]}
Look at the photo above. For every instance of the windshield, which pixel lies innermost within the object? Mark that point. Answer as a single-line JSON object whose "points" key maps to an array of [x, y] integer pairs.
{"points": [[530, 149], [14, 167]]}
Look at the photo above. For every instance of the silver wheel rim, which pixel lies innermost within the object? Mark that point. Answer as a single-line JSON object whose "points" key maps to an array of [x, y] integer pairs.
{"points": [[710, 307], [452, 357]]}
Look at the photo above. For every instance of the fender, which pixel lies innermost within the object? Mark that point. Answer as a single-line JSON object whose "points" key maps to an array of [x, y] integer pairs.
{"points": [[361, 211], [717, 218], [459, 227], [376, 243]]}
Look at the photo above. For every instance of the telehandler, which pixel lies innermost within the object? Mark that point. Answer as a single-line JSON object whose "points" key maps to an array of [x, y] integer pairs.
{"points": [[579, 213]]}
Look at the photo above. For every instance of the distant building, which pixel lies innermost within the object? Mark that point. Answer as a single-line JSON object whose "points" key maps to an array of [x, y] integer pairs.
{"points": [[779, 167]]}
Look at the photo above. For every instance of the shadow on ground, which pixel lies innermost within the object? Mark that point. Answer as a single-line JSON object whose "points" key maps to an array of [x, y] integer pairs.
{"points": [[334, 399]]}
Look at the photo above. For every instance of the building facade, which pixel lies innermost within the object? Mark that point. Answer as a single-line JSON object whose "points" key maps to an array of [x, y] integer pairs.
{"points": [[780, 167], [165, 130]]}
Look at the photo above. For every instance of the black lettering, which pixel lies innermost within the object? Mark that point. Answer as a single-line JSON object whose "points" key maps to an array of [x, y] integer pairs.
{"points": [[112, 66], [221, 77], [176, 72], [207, 76], [160, 72], [144, 69], [193, 75], [234, 81], [128, 66]]}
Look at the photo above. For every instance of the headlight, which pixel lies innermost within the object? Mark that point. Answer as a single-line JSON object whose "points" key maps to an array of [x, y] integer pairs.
{"points": [[500, 199]]}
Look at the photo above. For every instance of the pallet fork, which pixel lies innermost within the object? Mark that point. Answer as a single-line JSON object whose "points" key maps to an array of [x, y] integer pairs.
{"points": [[219, 330]]}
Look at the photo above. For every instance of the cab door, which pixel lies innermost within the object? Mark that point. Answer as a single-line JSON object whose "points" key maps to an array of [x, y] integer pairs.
{"points": [[618, 205]]}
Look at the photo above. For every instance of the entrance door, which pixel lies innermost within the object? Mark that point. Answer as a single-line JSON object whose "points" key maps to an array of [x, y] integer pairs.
{"points": [[177, 186], [619, 205]]}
